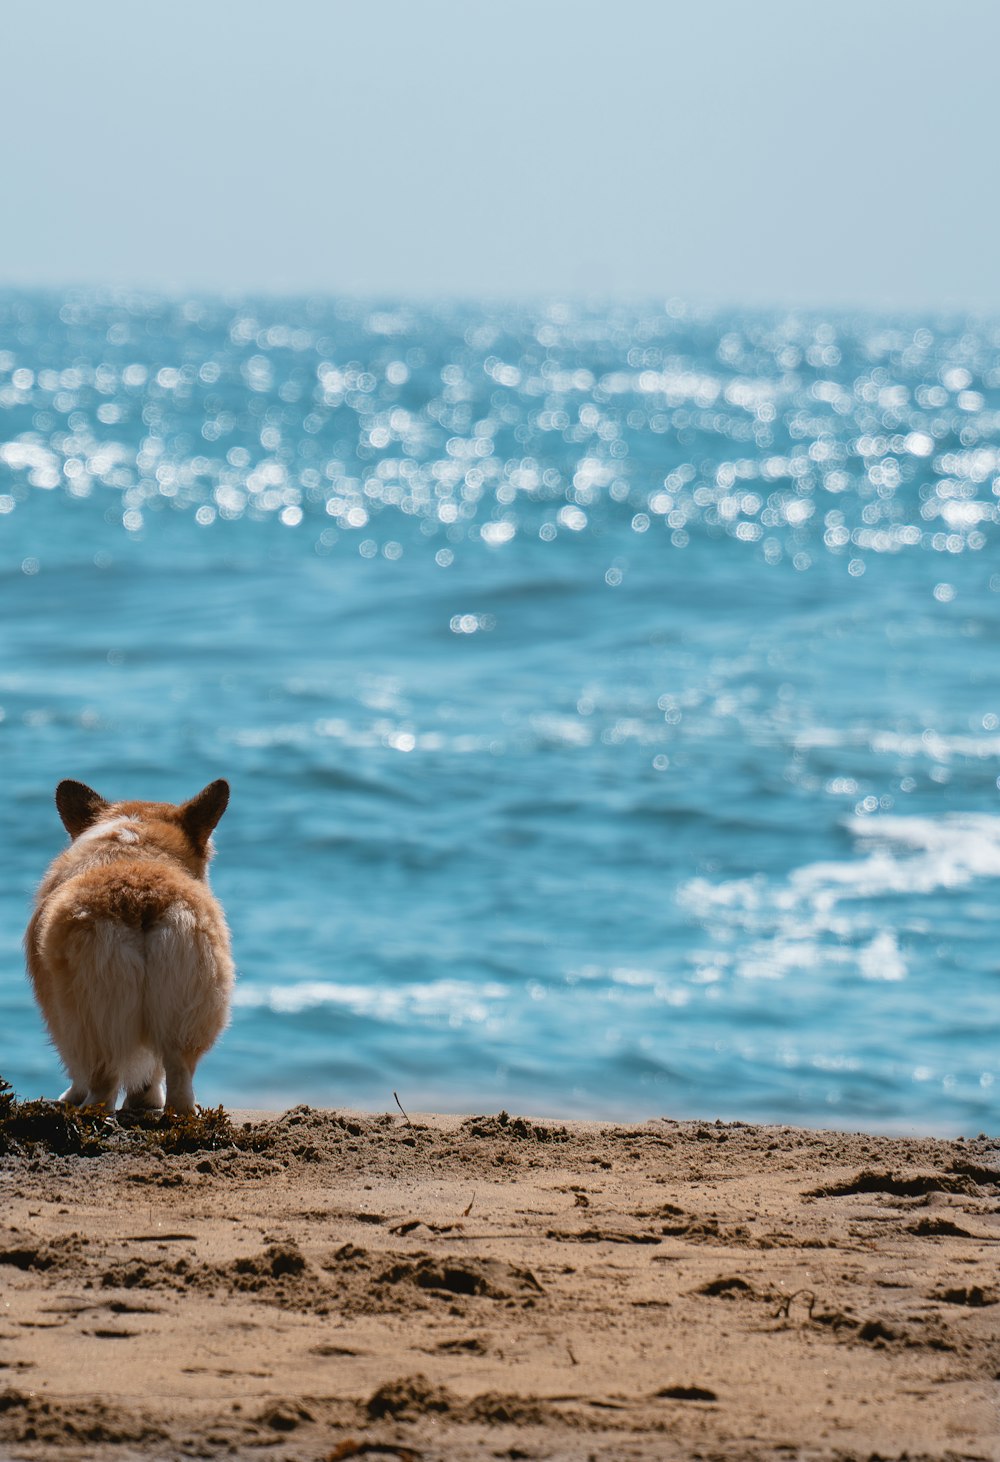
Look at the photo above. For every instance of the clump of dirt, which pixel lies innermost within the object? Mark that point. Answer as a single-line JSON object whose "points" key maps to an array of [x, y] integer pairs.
{"points": [[364, 1283], [922, 1333], [279, 1275], [410, 1398], [64, 1251], [939, 1228], [496, 1409], [28, 1417], [877, 1332], [518, 1129], [413, 1397], [728, 1287], [913, 1187], [490, 1278], [29, 1258], [257, 1272], [701, 1230], [146, 1274], [285, 1416], [686, 1393], [350, 1256], [972, 1295], [985, 1177], [298, 1121], [360, 1447], [380, 1143], [605, 1235]]}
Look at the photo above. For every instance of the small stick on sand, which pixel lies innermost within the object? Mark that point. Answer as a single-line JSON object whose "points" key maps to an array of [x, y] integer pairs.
{"points": [[467, 1211], [399, 1104], [784, 1310]]}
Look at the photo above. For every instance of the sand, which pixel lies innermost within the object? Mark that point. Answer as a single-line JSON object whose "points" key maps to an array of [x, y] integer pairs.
{"points": [[494, 1287]]}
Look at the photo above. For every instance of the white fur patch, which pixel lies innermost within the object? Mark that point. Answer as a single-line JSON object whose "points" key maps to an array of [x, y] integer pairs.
{"points": [[120, 827]]}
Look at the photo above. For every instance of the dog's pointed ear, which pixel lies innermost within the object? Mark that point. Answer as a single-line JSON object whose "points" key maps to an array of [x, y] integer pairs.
{"points": [[79, 806], [200, 815]]}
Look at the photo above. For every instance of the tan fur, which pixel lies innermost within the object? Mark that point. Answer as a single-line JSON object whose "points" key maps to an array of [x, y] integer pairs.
{"points": [[128, 950]]}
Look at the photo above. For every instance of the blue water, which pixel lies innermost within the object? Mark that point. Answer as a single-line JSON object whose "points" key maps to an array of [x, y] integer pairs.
{"points": [[610, 696]]}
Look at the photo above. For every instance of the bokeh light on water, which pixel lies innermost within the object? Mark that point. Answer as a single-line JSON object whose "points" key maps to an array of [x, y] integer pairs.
{"points": [[609, 694]]}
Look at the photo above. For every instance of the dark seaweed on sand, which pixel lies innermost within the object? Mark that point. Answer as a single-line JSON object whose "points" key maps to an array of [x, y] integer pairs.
{"points": [[31, 1127]]}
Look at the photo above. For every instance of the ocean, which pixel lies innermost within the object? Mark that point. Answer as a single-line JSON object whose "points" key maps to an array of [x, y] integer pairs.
{"points": [[610, 694]]}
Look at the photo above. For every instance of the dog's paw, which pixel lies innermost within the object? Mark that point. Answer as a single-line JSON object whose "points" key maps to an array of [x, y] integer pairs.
{"points": [[146, 1099]]}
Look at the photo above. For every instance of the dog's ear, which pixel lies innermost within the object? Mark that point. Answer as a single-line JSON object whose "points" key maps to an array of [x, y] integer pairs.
{"points": [[79, 806], [200, 815]]}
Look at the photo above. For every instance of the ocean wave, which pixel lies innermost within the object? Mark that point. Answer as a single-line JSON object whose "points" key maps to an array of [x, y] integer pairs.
{"points": [[833, 913], [454, 1001], [935, 745], [914, 855]]}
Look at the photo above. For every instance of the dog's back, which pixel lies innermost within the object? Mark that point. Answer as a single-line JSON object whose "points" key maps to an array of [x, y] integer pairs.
{"points": [[128, 949]]}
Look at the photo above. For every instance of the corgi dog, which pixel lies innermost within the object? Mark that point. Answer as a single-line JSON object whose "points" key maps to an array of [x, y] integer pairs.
{"points": [[128, 950]]}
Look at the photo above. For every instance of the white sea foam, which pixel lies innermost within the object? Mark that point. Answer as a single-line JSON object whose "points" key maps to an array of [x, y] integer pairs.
{"points": [[456, 1001], [822, 913], [946, 852], [934, 745], [881, 960]]}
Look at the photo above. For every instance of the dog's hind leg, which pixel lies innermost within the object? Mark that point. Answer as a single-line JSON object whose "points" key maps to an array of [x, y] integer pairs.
{"points": [[103, 1088], [144, 1089], [188, 975], [96, 1018], [148, 1098], [179, 1067]]}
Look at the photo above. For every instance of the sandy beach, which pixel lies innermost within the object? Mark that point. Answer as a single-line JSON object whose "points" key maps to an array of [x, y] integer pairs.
{"points": [[337, 1285]]}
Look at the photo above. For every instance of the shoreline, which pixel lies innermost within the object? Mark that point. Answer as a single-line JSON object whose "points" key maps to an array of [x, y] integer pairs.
{"points": [[438, 1286], [909, 1131]]}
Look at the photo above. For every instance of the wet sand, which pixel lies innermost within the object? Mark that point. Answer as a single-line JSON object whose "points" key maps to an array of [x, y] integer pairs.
{"points": [[493, 1287]]}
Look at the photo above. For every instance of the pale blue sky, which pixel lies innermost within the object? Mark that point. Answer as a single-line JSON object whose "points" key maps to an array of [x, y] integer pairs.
{"points": [[784, 151]]}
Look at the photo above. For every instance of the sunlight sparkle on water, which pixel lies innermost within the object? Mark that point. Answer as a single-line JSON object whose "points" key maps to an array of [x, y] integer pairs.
{"points": [[865, 420]]}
